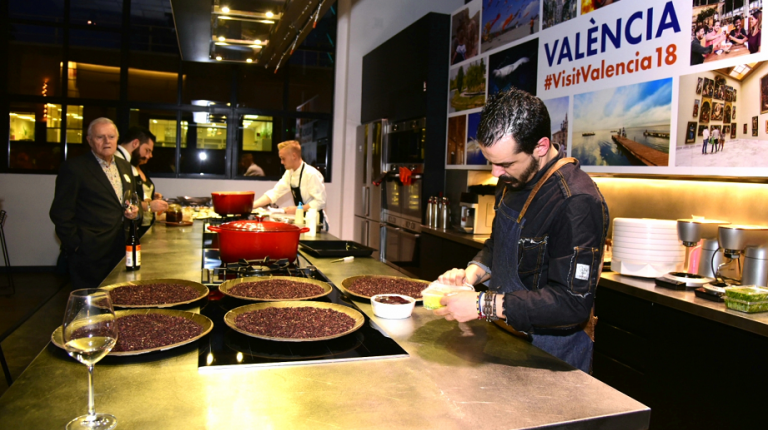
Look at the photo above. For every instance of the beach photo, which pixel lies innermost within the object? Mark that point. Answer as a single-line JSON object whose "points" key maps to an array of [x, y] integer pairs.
{"points": [[474, 154], [467, 83], [514, 67], [465, 33], [624, 126], [505, 21], [558, 119]]}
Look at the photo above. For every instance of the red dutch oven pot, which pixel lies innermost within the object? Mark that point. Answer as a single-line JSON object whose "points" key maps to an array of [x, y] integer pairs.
{"points": [[233, 202], [254, 240]]}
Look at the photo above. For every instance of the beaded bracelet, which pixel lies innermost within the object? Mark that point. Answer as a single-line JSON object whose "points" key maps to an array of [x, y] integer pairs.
{"points": [[479, 307]]}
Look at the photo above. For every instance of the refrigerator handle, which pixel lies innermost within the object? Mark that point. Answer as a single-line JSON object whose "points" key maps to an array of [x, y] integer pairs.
{"points": [[367, 235], [367, 201]]}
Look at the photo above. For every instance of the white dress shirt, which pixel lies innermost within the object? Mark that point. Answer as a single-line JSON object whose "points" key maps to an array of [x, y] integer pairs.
{"points": [[312, 187]]}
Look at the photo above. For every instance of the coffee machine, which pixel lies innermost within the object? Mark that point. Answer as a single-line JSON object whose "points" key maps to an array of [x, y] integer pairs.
{"points": [[477, 213], [749, 242], [697, 271]]}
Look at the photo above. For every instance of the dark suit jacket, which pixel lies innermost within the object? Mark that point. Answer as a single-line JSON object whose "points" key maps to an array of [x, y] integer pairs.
{"points": [[88, 214]]}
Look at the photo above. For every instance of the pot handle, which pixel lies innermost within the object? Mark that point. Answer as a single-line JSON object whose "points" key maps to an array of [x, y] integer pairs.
{"points": [[304, 230], [214, 228]]}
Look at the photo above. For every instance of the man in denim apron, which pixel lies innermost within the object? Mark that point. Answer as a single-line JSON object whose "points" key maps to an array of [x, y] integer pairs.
{"points": [[545, 254]]}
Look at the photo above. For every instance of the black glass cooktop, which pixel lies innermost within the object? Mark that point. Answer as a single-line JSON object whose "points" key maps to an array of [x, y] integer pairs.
{"points": [[225, 348]]}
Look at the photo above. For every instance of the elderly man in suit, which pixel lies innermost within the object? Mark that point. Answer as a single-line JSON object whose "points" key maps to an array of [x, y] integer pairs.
{"points": [[88, 209]]}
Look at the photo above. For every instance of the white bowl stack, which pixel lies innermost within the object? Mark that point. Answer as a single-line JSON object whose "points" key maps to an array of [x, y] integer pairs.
{"points": [[646, 247]]}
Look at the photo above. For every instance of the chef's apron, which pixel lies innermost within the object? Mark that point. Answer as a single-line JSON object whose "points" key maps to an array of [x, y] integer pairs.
{"points": [[570, 345], [296, 193]]}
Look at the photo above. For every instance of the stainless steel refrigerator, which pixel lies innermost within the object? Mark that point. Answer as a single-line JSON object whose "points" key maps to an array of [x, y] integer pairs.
{"points": [[368, 168]]}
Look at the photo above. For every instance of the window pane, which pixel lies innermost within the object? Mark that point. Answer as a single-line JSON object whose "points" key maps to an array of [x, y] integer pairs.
{"points": [[257, 148], [310, 88], [32, 146], [37, 54], [77, 120], [39, 10], [96, 13], [315, 138], [204, 148], [163, 125], [94, 66], [151, 38], [153, 77], [202, 81], [260, 88]]}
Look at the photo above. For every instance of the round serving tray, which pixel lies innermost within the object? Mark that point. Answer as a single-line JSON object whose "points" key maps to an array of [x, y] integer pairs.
{"points": [[203, 321], [229, 318], [344, 287], [200, 288], [228, 285]]}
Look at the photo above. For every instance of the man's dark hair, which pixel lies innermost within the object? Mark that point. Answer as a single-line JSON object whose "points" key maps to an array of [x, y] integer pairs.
{"points": [[137, 132], [698, 29], [514, 113]]}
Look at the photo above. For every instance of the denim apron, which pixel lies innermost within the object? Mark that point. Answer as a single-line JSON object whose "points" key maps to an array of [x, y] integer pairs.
{"points": [[571, 345]]}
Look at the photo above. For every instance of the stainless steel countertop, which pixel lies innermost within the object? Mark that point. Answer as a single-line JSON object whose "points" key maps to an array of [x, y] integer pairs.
{"points": [[458, 376], [685, 301], [473, 240]]}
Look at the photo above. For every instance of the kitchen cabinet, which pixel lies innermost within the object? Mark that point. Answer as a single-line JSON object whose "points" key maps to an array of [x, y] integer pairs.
{"points": [[694, 373]]}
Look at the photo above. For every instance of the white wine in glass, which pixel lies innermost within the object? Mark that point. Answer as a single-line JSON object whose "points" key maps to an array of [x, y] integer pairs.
{"points": [[89, 333]]}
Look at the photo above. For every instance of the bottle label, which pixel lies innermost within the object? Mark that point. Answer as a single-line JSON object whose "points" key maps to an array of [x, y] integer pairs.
{"points": [[129, 255]]}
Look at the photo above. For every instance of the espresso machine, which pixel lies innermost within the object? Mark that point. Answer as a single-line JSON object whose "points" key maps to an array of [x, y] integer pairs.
{"points": [[698, 267], [747, 246], [477, 213]]}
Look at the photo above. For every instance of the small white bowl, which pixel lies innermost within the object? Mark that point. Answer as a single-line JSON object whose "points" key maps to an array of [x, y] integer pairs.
{"points": [[392, 311]]}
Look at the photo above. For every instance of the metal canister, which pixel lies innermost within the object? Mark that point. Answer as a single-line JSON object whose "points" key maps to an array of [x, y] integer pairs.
{"points": [[436, 213], [430, 208], [445, 214]]}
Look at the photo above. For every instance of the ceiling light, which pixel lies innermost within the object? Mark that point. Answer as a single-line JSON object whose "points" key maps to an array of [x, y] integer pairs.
{"points": [[218, 58], [266, 21], [224, 17], [269, 14], [225, 9], [255, 46], [222, 38], [249, 60], [221, 44], [257, 42]]}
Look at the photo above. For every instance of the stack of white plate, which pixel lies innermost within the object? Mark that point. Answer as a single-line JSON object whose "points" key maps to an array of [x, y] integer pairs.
{"points": [[646, 247]]}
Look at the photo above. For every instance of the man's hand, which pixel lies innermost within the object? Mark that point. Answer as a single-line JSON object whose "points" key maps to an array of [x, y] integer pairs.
{"points": [[290, 210], [459, 306], [131, 212], [472, 275], [158, 205], [158, 196]]}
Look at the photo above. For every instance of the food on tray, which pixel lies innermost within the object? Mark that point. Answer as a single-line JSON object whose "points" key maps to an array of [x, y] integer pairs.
{"points": [[152, 294], [749, 293], [276, 289], [147, 331], [295, 322], [392, 300], [369, 286], [746, 306]]}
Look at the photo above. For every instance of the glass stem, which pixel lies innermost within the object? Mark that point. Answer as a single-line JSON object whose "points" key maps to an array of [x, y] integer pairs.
{"points": [[91, 409]]}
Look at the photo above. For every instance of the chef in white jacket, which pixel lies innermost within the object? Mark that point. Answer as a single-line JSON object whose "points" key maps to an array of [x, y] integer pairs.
{"points": [[303, 181]]}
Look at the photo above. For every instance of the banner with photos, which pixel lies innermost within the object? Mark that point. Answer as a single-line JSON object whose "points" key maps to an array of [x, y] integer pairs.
{"points": [[630, 86]]}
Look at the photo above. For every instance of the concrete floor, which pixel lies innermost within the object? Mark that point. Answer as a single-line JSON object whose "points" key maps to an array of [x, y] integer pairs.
{"points": [[28, 317]]}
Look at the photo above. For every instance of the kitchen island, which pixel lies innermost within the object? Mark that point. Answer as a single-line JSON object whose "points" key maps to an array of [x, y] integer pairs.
{"points": [[457, 376]]}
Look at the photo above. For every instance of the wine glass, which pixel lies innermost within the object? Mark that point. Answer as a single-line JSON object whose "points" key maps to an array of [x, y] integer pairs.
{"points": [[89, 333], [130, 198]]}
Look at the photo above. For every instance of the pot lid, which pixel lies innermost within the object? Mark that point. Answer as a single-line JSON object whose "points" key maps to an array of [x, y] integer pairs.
{"points": [[259, 226]]}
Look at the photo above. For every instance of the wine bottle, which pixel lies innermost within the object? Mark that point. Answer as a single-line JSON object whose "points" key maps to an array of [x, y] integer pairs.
{"points": [[133, 249]]}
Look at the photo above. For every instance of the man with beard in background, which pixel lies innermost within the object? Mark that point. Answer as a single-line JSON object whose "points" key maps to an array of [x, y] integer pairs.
{"points": [[545, 254], [136, 147]]}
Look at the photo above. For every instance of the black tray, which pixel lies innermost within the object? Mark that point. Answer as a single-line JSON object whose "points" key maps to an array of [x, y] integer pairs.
{"points": [[335, 248]]}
